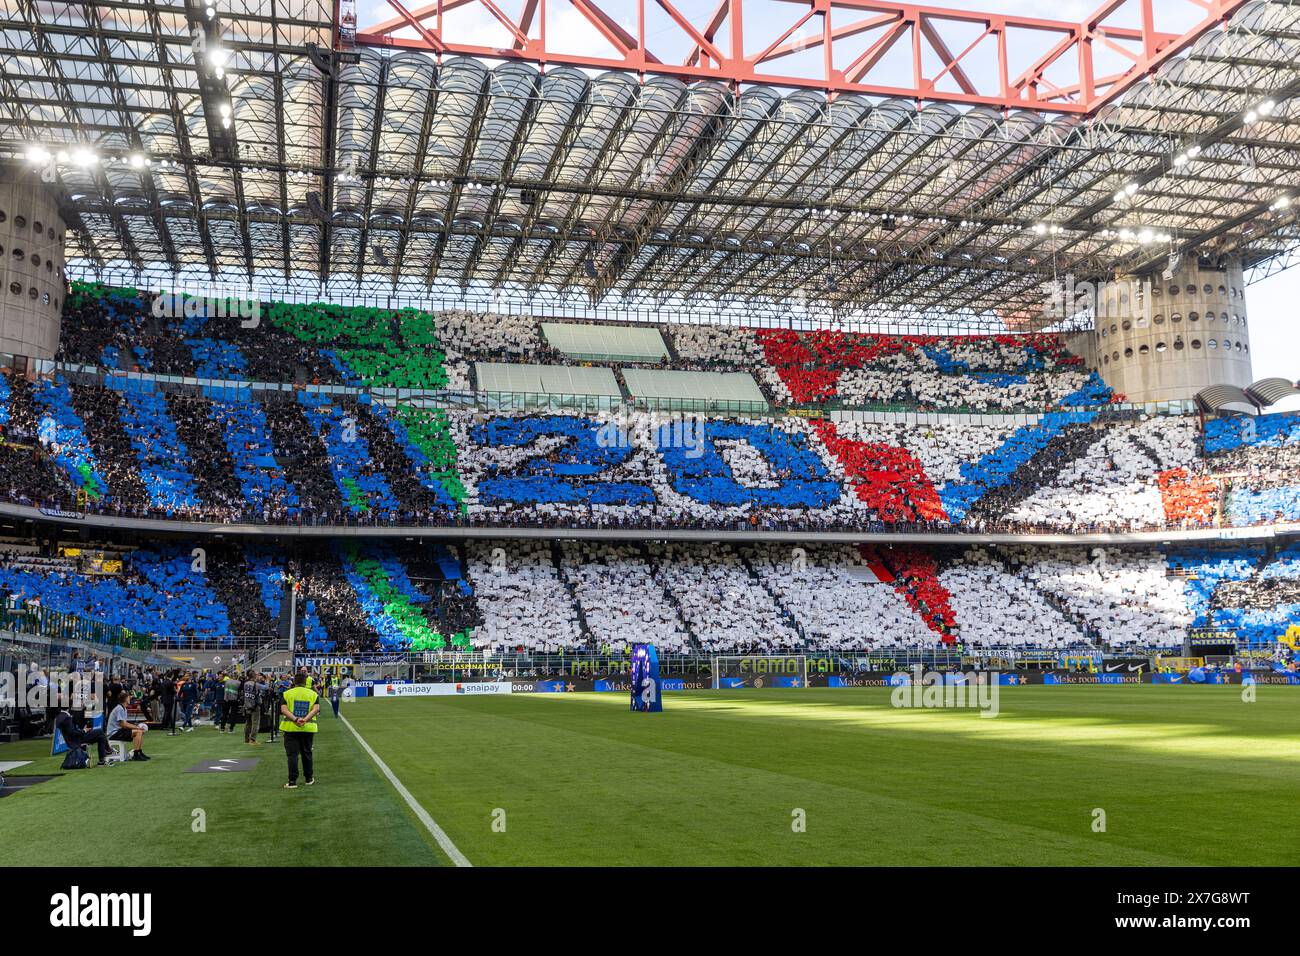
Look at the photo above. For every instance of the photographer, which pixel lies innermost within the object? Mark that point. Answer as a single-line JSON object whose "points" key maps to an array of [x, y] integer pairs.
{"points": [[251, 695], [270, 704], [228, 691]]}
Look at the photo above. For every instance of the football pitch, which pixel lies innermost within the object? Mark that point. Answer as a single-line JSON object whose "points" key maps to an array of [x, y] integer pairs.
{"points": [[1111, 775]]}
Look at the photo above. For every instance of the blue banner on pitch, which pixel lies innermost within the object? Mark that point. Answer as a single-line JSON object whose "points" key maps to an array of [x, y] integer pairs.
{"points": [[647, 686], [768, 680]]}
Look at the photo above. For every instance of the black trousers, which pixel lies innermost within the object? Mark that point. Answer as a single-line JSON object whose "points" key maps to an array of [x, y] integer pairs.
{"points": [[298, 742], [95, 737], [229, 714]]}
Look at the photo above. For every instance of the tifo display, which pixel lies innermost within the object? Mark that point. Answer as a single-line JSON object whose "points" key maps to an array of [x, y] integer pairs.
{"points": [[500, 597], [346, 440]]}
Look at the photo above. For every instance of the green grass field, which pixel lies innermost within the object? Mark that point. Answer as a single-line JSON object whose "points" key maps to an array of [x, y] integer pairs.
{"points": [[1185, 775], [142, 814]]}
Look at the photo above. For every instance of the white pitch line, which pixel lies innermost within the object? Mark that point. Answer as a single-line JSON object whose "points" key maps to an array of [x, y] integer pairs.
{"points": [[429, 822]]}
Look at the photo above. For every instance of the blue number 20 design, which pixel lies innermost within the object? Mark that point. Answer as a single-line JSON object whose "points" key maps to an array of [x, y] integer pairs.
{"points": [[572, 472], [804, 480], [567, 475]]}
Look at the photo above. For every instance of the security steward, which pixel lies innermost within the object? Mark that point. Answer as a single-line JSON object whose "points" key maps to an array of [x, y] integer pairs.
{"points": [[335, 691], [298, 724]]}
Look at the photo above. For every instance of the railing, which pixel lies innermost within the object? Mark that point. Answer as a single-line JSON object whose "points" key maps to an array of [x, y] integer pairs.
{"points": [[56, 653], [447, 663], [274, 645], [489, 523], [62, 626], [251, 645]]}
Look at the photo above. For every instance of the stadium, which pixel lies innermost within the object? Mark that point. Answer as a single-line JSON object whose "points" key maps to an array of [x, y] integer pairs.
{"points": [[648, 433]]}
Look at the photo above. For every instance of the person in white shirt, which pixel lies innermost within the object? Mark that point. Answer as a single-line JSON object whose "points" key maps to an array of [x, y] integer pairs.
{"points": [[119, 728]]}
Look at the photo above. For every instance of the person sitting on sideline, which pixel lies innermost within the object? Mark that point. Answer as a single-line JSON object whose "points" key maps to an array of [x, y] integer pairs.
{"points": [[299, 709], [119, 728], [76, 735]]}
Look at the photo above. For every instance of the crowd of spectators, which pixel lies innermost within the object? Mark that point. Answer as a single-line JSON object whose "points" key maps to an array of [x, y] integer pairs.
{"points": [[310, 459], [704, 597], [523, 600], [358, 466], [838, 601], [1117, 596], [622, 602]]}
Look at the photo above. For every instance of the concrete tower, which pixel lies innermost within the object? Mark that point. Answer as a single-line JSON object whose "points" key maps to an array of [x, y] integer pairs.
{"points": [[1162, 340], [32, 283]]}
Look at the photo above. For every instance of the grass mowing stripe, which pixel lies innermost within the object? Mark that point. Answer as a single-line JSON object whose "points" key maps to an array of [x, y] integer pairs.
{"points": [[529, 771], [1188, 777], [429, 822], [747, 776], [143, 814]]}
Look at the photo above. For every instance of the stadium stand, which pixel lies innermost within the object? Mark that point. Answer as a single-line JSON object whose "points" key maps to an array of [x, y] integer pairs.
{"points": [[120, 446], [915, 574], [977, 373], [621, 601], [523, 600], [689, 598], [328, 442], [156, 593], [1118, 597], [997, 608], [1260, 459], [725, 604], [409, 348], [839, 602], [1111, 484]]}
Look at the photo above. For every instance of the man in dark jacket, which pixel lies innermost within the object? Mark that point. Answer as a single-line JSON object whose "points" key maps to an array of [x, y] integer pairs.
{"points": [[77, 736], [189, 695], [167, 700], [270, 704]]}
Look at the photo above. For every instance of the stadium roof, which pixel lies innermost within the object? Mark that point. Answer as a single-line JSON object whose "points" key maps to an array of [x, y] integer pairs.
{"points": [[1218, 398], [432, 171], [1258, 395], [1270, 391]]}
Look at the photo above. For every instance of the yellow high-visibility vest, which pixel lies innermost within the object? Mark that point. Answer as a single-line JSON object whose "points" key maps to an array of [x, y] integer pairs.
{"points": [[300, 701]]}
